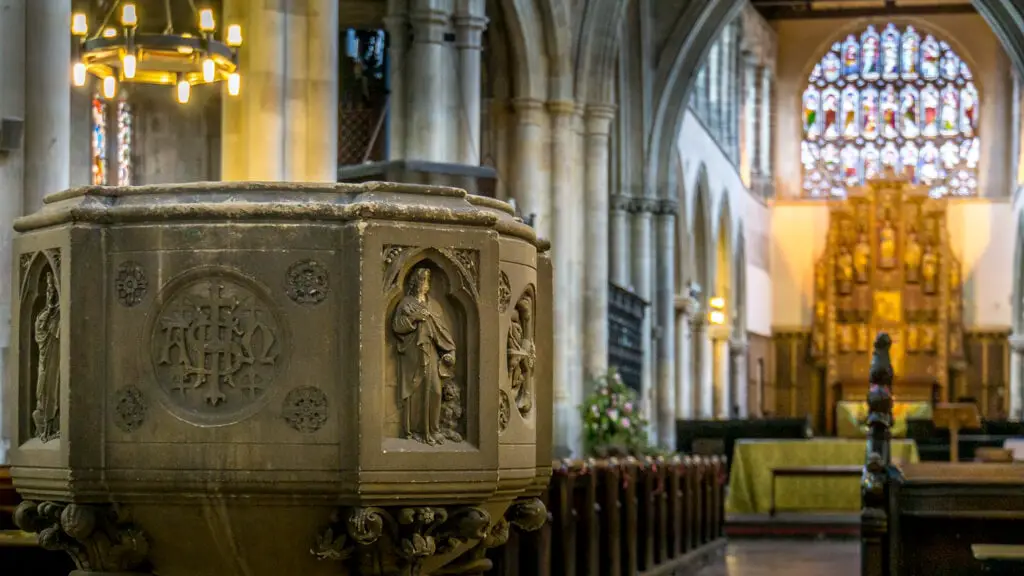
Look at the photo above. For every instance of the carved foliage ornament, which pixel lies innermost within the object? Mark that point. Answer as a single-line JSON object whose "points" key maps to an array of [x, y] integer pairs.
{"points": [[129, 409], [98, 538], [407, 536], [305, 409], [504, 410], [131, 283], [216, 346], [521, 352], [308, 282], [504, 292]]}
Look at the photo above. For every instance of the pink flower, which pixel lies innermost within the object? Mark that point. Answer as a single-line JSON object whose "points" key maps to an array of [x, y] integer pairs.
{"points": [[613, 414], [594, 410], [625, 422], [628, 408], [603, 391]]}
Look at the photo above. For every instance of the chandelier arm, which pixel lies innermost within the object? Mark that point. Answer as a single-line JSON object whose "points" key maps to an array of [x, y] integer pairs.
{"points": [[106, 20], [169, 29]]}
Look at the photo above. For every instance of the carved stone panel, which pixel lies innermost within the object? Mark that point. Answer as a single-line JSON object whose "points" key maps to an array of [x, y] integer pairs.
{"points": [[40, 325], [522, 354], [216, 347], [427, 332]]}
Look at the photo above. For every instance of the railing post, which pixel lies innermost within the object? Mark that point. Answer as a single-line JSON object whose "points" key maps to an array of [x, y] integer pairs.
{"points": [[608, 486], [629, 518], [661, 512], [587, 532], [645, 531], [879, 472], [564, 528], [676, 498]]}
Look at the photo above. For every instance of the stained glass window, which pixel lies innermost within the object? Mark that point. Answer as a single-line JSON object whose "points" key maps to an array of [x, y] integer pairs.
{"points": [[99, 141], [124, 144], [898, 101]]}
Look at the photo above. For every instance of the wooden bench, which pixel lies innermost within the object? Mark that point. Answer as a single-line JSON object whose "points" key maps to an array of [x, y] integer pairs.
{"points": [[1000, 559], [811, 472]]}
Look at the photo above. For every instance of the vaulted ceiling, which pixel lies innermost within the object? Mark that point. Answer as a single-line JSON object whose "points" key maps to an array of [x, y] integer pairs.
{"points": [[792, 9]]}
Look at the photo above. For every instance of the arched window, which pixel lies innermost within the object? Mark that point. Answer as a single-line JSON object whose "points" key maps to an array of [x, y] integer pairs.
{"points": [[890, 101]]}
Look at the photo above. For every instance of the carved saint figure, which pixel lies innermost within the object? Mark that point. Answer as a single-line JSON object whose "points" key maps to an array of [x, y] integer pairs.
{"points": [[846, 338], [863, 340], [522, 354], [862, 259], [912, 258], [426, 350], [844, 271], [929, 271], [887, 246], [913, 338], [928, 339], [46, 414]]}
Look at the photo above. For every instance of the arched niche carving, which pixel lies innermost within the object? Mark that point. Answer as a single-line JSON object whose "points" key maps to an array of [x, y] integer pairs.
{"points": [[521, 350], [39, 332], [432, 337]]}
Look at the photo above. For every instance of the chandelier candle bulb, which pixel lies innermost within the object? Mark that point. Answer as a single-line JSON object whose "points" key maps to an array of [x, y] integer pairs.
{"points": [[206, 22], [184, 91], [209, 70], [234, 38], [234, 83], [78, 74], [79, 25], [128, 15], [109, 32], [129, 64], [109, 87]]}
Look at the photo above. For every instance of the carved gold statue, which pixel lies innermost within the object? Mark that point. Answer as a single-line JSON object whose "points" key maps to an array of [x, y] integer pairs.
{"points": [[887, 246], [46, 415], [862, 259], [863, 338], [844, 271], [846, 338], [427, 359], [913, 338], [929, 271], [912, 259], [928, 338]]}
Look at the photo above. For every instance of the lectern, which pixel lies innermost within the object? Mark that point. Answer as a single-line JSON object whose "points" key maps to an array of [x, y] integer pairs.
{"points": [[956, 416]]}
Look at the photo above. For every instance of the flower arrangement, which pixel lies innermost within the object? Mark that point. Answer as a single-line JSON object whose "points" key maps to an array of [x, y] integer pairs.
{"points": [[612, 422]]}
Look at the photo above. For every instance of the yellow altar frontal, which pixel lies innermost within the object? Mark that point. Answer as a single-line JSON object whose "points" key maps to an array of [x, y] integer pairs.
{"points": [[851, 417], [750, 477]]}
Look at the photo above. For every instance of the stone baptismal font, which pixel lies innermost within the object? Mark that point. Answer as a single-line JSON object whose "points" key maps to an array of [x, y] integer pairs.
{"points": [[266, 379]]}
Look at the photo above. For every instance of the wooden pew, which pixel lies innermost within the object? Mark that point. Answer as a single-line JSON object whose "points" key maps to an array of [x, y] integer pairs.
{"points": [[929, 518]]}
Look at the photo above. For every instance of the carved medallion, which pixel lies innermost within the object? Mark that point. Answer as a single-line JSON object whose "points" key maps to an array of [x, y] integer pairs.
{"points": [[308, 282], [305, 409], [129, 409], [504, 292], [504, 411], [131, 283], [216, 347]]}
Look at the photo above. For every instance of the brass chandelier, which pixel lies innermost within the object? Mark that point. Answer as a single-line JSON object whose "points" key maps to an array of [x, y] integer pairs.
{"points": [[167, 58]]}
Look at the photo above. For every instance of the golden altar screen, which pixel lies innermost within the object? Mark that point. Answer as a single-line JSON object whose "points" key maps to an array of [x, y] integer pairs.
{"points": [[888, 267]]}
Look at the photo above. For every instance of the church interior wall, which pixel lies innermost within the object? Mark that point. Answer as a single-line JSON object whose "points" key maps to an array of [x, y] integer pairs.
{"points": [[969, 35]]}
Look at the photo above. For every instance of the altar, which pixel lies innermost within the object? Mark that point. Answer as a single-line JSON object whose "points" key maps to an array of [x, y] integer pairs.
{"points": [[750, 477]]}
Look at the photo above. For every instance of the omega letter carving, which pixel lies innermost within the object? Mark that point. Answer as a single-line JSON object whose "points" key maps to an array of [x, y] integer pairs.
{"points": [[215, 347], [426, 360]]}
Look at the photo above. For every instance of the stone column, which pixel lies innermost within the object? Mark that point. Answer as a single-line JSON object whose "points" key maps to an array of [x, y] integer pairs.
{"points": [[470, 24], [766, 123], [47, 66], [311, 92], [741, 391], [12, 167], [619, 232], [704, 367], [684, 367], [666, 309], [642, 284], [428, 127], [598, 123], [253, 123], [567, 207], [529, 176], [720, 378], [397, 25], [1017, 377]]}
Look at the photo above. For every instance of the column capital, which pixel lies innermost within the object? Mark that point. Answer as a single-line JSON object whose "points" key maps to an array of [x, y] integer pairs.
{"points": [[429, 25], [643, 205], [738, 345], [528, 110], [689, 306], [562, 107], [469, 31], [620, 202], [666, 207], [604, 111]]}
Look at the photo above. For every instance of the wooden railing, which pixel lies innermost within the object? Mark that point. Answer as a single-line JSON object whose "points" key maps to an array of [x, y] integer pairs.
{"points": [[624, 518]]}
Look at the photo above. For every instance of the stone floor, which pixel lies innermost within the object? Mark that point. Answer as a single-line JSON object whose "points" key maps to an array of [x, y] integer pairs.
{"points": [[789, 558]]}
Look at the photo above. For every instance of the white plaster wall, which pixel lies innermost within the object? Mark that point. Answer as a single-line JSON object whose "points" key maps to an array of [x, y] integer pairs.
{"points": [[697, 148], [982, 233], [802, 43]]}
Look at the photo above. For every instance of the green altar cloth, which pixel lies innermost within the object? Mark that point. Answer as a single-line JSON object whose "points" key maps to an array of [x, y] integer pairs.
{"points": [[750, 477]]}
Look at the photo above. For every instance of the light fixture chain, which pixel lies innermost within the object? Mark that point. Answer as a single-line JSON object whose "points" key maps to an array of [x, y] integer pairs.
{"points": [[106, 20], [169, 29]]}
